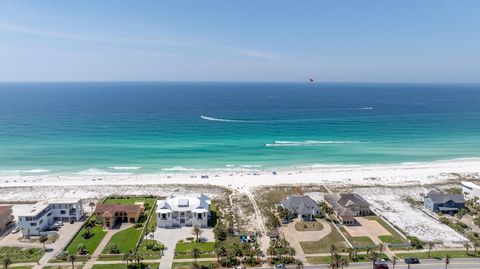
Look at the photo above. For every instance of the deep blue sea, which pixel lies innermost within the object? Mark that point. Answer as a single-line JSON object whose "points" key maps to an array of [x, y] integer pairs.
{"points": [[153, 127]]}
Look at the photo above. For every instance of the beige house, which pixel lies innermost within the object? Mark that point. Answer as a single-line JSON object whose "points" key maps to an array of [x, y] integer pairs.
{"points": [[347, 206], [6, 217], [111, 214]]}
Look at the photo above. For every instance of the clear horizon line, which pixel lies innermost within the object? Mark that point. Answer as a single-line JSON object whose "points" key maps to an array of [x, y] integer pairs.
{"points": [[235, 81]]}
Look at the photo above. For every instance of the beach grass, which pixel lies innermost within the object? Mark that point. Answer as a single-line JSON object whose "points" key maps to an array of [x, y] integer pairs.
{"points": [[18, 254], [90, 244]]}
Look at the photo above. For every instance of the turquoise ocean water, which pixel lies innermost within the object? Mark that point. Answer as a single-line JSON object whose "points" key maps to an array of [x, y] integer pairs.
{"points": [[153, 127]]}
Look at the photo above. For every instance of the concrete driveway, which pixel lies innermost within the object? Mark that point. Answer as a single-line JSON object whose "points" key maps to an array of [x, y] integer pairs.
{"points": [[170, 237], [295, 237]]}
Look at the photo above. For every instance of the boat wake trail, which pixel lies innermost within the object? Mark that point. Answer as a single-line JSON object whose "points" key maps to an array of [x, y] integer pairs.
{"points": [[307, 143], [226, 120]]}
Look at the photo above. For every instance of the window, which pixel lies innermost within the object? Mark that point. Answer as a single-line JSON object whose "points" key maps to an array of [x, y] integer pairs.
{"points": [[33, 224], [63, 212]]}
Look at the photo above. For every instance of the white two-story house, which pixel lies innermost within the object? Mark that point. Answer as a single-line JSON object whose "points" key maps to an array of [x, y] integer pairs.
{"points": [[35, 219], [183, 211]]}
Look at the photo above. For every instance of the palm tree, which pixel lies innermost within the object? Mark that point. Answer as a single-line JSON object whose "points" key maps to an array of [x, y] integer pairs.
{"points": [[197, 231], [256, 250], [374, 256], [221, 251], [81, 249], [343, 262], [196, 252], [467, 246], [127, 257], [43, 239], [137, 257], [6, 261], [430, 246], [394, 261], [72, 259], [299, 264], [91, 205], [350, 251]]}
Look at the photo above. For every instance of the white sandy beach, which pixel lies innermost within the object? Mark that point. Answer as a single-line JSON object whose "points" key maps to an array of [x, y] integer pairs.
{"points": [[343, 175]]}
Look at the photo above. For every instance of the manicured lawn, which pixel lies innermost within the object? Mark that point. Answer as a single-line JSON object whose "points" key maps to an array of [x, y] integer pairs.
{"points": [[17, 254], [90, 243], [183, 250], [125, 240], [129, 201], [326, 259], [308, 226], [121, 266], [361, 241], [77, 266], [391, 239], [188, 265], [21, 267], [438, 254], [149, 253], [323, 245], [397, 238]]}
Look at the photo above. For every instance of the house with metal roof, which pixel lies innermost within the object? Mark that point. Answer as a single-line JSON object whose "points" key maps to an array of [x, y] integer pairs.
{"points": [[347, 206], [302, 206], [444, 203], [183, 211]]}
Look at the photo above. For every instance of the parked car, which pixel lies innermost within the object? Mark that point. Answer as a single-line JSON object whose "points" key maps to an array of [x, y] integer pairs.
{"points": [[16, 230], [412, 261], [280, 266], [381, 265]]}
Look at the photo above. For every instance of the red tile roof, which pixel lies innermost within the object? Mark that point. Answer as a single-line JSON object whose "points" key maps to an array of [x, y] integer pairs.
{"points": [[103, 208]]}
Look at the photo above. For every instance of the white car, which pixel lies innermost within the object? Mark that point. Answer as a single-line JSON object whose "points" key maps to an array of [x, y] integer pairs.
{"points": [[16, 230]]}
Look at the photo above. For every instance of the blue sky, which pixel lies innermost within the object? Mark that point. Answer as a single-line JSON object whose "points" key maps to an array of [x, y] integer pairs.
{"points": [[339, 41]]}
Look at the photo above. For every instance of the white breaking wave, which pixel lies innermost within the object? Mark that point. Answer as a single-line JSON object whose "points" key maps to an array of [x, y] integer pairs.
{"points": [[95, 171], [125, 167], [19, 172], [224, 120], [178, 168], [307, 143], [35, 171]]}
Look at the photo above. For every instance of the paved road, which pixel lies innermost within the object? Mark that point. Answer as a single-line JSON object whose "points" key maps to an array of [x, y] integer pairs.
{"points": [[425, 264]]}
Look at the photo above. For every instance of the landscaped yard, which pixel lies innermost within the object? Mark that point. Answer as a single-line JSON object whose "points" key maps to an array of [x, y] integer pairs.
{"points": [[146, 250], [184, 249], [90, 243], [120, 266], [438, 254], [323, 245], [394, 238], [77, 266], [17, 254], [188, 265], [129, 200], [357, 241], [214, 214], [125, 240], [308, 226]]}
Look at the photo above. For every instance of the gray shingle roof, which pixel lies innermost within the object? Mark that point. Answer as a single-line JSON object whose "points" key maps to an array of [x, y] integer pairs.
{"points": [[300, 204], [440, 198], [341, 202]]}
